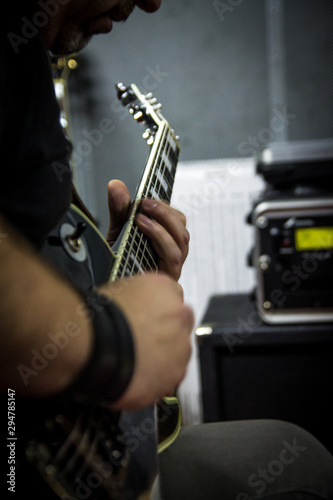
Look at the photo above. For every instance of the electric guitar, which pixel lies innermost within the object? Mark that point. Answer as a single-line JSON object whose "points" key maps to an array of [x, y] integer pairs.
{"points": [[96, 454]]}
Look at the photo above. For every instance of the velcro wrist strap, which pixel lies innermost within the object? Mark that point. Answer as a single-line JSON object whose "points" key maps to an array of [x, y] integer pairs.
{"points": [[110, 368]]}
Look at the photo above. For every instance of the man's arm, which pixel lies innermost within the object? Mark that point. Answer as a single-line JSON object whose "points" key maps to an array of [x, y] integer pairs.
{"points": [[37, 302]]}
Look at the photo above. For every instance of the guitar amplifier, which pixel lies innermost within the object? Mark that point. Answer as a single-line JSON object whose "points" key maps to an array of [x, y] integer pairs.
{"points": [[293, 233], [253, 370]]}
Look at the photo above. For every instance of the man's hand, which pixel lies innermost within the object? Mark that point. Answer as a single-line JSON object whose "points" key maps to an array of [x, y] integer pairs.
{"points": [[161, 325], [153, 304], [164, 226]]}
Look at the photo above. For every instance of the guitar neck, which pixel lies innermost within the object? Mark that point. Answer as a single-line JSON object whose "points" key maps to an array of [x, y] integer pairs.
{"points": [[135, 254]]}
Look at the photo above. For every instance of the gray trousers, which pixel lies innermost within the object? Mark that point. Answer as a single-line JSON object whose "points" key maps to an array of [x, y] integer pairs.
{"points": [[259, 459]]}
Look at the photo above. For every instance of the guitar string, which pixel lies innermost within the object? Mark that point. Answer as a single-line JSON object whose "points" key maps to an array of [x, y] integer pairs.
{"points": [[145, 251], [147, 261], [125, 265], [165, 146], [157, 184], [133, 254], [165, 172]]}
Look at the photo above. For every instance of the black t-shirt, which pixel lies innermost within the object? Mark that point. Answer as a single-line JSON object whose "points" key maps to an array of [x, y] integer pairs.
{"points": [[35, 189], [35, 192]]}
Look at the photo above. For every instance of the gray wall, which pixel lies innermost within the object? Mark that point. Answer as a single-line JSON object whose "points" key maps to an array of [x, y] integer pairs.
{"points": [[222, 71]]}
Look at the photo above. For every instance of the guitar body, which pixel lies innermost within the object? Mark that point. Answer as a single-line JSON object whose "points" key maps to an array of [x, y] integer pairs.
{"points": [[96, 454], [87, 268]]}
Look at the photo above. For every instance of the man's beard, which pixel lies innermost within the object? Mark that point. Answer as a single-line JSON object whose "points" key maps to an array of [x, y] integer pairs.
{"points": [[70, 46], [66, 45], [124, 9]]}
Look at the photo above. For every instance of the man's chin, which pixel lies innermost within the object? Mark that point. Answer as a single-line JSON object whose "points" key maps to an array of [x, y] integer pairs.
{"points": [[72, 46]]}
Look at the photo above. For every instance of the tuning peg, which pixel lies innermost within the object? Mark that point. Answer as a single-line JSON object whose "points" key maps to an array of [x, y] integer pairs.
{"points": [[125, 94], [146, 134], [121, 90], [148, 96], [121, 87], [176, 136], [134, 110], [150, 141], [157, 106], [138, 115], [127, 97]]}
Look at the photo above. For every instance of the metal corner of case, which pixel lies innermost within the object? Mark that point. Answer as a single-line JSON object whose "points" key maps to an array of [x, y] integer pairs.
{"points": [[259, 209], [292, 317], [205, 329], [267, 318]]}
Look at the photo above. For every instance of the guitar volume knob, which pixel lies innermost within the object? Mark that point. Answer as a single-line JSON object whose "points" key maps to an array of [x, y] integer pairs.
{"points": [[72, 241]]}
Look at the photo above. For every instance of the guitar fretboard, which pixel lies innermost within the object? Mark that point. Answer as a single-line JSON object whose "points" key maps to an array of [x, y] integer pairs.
{"points": [[136, 254]]}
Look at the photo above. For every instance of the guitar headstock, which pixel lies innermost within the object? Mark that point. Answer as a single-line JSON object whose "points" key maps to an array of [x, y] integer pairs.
{"points": [[144, 108]]}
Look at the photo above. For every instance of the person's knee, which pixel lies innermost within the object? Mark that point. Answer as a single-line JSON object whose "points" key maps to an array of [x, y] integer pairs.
{"points": [[246, 458], [295, 438], [296, 461]]}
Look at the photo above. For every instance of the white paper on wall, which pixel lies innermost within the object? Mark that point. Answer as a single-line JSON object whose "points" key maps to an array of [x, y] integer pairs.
{"points": [[216, 197]]}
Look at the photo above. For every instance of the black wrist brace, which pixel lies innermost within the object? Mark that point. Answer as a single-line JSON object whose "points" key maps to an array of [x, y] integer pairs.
{"points": [[110, 368]]}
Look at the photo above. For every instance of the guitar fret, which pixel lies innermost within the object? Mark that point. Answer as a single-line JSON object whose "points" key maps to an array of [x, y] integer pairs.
{"points": [[172, 142], [138, 256], [147, 192], [166, 187], [166, 175], [160, 192], [153, 193], [167, 162], [147, 256], [136, 264], [173, 155], [165, 169]]}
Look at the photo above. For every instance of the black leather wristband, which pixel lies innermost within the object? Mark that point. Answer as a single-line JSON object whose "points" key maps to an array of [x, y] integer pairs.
{"points": [[110, 368]]}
